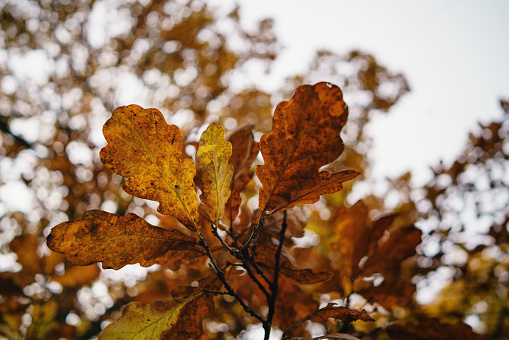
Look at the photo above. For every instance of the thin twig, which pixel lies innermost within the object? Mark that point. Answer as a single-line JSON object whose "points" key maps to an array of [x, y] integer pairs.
{"points": [[225, 283], [275, 283]]}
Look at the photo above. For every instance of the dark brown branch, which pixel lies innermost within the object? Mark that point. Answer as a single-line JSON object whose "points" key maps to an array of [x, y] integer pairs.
{"points": [[275, 283]]}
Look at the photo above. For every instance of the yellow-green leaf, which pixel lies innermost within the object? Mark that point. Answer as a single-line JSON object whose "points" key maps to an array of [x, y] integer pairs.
{"points": [[214, 173], [119, 240], [147, 151], [163, 319]]}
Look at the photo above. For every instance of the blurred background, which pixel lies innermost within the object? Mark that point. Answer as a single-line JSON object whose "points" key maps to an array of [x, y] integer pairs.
{"points": [[426, 83]]}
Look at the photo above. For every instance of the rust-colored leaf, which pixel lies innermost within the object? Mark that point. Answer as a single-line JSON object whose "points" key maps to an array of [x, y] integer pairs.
{"points": [[304, 138], [388, 257], [266, 259], [147, 151], [390, 295], [340, 313], [214, 174], [330, 311], [244, 151], [432, 329], [119, 240], [354, 239]]}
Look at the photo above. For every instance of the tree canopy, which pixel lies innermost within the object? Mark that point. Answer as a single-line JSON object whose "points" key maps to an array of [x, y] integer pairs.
{"points": [[255, 222]]}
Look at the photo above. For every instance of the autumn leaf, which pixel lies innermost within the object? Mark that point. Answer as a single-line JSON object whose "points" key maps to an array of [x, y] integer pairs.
{"points": [[304, 138], [390, 294], [214, 174], [147, 151], [244, 152], [119, 240], [330, 311], [163, 319], [432, 329], [354, 238], [266, 259], [387, 258]]}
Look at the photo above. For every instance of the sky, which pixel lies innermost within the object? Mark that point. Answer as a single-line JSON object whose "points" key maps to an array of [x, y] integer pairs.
{"points": [[453, 53]]}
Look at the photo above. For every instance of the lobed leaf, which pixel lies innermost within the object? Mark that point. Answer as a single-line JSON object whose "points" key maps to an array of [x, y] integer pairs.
{"points": [[119, 240], [244, 152], [214, 174], [330, 311], [304, 138], [147, 151], [164, 319]]}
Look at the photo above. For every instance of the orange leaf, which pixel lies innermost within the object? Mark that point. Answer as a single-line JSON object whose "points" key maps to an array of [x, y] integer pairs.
{"points": [[119, 240], [244, 153], [305, 137], [147, 151]]}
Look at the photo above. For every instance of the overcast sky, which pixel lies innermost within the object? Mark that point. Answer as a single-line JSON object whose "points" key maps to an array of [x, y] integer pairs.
{"points": [[454, 54]]}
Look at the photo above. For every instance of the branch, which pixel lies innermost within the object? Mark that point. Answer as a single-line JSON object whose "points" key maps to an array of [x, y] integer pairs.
{"points": [[222, 278], [275, 283]]}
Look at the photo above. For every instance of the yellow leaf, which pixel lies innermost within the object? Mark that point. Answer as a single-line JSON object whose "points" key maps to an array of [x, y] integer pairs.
{"points": [[214, 174], [147, 151]]}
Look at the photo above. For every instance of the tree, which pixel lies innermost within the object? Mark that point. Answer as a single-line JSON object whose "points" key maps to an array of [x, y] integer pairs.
{"points": [[180, 59]]}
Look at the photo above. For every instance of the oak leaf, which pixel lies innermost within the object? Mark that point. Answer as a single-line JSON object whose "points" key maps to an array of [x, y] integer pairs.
{"points": [[164, 319], [147, 151], [214, 173], [119, 240], [304, 138], [244, 152], [432, 329], [330, 311]]}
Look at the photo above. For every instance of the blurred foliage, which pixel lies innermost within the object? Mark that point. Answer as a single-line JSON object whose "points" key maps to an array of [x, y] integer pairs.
{"points": [[65, 65]]}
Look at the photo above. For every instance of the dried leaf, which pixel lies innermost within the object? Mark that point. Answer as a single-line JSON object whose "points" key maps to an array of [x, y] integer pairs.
{"points": [[163, 319], [214, 174], [390, 295], [330, 311], [304, 138], [328, 336], [354, 239], [244, 151], [340, 313], [388, 257], [432, 329], [118, 240], [147, 151]]}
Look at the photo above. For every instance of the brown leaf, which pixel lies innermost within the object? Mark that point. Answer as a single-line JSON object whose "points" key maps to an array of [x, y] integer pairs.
{"points": [[432, 329], [119, 240], [354, 239], [266, 259], [340, 313], [147, 151], [330, 311], [244, 152], [304, 138], [390, 295], [295, 220], [388, 257]]}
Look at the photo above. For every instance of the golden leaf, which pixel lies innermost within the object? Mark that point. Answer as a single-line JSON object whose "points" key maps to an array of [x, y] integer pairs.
{"points": [[214, 174], [147, 151], [119, 240]]}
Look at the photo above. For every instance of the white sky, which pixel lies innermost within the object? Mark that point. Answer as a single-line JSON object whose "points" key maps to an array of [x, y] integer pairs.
{"points": [[454, 54]]}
